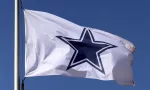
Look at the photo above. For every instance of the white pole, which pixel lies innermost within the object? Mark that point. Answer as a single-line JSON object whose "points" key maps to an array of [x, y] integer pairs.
{"points": [[16, 48]]}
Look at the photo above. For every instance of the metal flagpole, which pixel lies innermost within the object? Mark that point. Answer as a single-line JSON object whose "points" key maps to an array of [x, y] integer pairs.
{"points": [[16, 48]]}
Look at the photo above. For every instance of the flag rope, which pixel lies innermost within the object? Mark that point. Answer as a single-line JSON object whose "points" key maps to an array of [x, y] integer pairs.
{"points": [[22, 84]]}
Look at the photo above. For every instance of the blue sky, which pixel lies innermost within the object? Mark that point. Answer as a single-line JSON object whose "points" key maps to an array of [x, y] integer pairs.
{"points": [[129, 19]]}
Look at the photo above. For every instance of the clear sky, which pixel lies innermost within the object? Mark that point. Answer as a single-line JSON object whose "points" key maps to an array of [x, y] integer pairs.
{"points": [[129, 19]]}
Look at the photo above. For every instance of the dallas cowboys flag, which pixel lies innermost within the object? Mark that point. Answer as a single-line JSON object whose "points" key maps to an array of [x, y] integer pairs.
{"points": [[55, 46]]}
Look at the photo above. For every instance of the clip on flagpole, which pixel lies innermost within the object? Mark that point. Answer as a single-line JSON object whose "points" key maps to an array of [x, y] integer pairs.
{"points": [[22, 85], [21, 5]]}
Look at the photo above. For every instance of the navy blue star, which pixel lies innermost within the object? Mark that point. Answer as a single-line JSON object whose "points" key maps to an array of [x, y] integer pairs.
{"points": [[87, 50]]}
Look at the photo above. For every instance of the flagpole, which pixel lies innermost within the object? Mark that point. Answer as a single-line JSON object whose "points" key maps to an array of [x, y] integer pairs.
{"points": [[16, 48]]}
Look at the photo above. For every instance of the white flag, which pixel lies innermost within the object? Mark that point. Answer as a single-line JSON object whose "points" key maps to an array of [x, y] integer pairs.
{"points": [[55, 46]]}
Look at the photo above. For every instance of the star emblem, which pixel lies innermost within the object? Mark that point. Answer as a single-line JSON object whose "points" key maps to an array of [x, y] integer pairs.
{"points": [[87, 50]]}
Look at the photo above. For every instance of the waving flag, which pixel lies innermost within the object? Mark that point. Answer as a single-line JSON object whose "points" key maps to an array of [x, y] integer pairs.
{"points": [[55, 46]]}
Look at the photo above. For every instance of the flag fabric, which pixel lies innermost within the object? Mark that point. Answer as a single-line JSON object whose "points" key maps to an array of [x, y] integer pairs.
{"points": [[56, 46]]}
